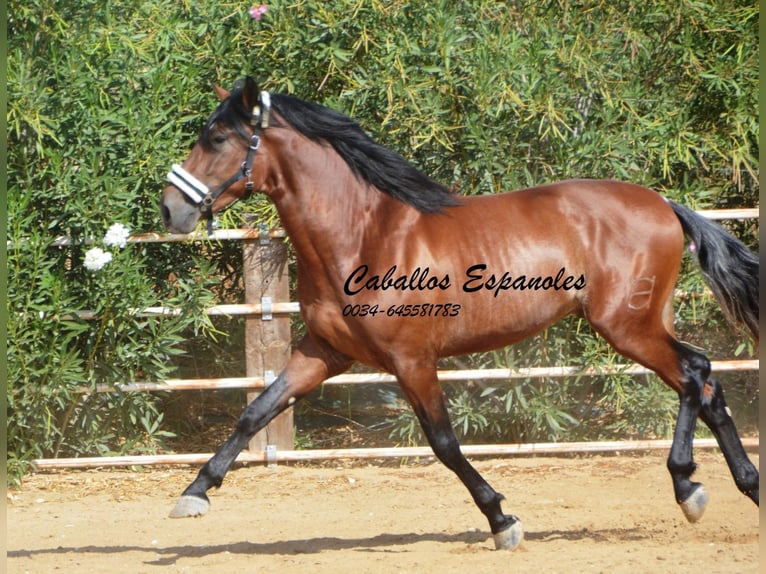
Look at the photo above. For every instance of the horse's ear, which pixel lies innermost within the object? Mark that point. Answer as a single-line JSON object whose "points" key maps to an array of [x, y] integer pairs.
{"points": [[250, 93], [222, 94]]}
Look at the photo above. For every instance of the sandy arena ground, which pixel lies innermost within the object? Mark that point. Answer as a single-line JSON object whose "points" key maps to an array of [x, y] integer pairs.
{"points": [[610, 514]]}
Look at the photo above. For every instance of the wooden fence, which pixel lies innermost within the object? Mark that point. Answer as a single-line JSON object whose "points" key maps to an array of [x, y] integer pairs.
{"points": [[267, 311]]}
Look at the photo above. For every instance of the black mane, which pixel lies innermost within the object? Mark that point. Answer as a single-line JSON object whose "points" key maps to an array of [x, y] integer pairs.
{"points": [[379, 166]]}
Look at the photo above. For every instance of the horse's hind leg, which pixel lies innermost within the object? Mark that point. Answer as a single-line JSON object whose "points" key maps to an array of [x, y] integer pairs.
{"points": [[422, 389], [702, 396], [691, 496], [687, 372], [716, 415]]}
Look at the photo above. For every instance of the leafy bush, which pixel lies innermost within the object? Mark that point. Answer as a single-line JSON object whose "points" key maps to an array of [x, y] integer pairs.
{"points": [[484, 96], [93, 122]]}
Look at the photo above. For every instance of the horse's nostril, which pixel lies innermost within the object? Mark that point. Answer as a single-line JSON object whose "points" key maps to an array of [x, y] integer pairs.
{"points": [[165, 215]]}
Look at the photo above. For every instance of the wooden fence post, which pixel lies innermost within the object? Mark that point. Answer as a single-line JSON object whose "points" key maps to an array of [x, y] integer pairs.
{"points": [[267, 337]]}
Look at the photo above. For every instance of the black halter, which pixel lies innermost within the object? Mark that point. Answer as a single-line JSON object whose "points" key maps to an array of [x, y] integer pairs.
{"points": [[199, 193]]}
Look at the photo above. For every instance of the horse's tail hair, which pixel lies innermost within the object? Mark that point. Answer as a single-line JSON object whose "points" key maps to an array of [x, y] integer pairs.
{"points": [[729, 268]]}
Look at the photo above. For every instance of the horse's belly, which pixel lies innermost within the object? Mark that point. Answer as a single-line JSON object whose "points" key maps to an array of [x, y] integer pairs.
{"points": [[511, 317]]}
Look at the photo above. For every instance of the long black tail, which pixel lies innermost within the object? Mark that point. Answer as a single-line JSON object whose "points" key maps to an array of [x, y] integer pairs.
{"points": [[729, 268]]}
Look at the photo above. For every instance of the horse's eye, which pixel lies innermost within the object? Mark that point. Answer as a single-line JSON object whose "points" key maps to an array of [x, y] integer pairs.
{"points": [[219, 138]]}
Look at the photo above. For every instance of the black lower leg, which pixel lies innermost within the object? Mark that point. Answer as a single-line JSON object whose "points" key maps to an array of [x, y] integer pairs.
{"points": [[716, 415], [702, 396], [680, 460], [444, 443], [256, 416], [696, 369]]}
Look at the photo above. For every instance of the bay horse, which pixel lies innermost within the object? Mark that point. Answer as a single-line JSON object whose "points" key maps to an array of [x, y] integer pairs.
{"points": [[395, 271]]}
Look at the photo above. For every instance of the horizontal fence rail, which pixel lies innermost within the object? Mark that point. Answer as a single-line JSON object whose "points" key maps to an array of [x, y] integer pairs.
{"points": [[719, 214], [554, 448], [451, 375], [227, 310], [217, 235], [268, 311]]}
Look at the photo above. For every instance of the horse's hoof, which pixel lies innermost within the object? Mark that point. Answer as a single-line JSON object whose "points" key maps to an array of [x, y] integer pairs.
{"points": [[188, 506], [509, 538], [694, 506]]}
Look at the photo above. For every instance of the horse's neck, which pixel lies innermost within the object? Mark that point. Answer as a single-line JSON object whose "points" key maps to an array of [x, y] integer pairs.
{"points": [[332, 217], [338, 220]]}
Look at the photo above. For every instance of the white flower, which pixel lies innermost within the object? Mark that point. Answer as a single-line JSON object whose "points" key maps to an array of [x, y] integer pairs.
{"points": [[117, 236], [96, 258]]}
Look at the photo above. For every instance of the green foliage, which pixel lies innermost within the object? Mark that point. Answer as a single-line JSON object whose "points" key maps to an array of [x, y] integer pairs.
{"points": [[484, 96], [94, 120], [490, 96], [57, 359]]}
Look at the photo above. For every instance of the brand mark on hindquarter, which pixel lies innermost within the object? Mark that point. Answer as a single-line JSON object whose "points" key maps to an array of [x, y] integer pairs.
{"points": [[641, 290]]}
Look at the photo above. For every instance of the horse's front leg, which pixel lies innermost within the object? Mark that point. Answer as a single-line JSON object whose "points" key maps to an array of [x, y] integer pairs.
{"points": [[310, 364]]}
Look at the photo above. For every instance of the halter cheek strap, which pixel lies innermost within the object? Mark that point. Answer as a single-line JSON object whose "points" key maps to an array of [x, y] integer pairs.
{"points": [[198, 192]]}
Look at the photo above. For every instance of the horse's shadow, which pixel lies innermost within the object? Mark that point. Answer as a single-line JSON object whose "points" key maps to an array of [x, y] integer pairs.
{"points": [[388, 542]]}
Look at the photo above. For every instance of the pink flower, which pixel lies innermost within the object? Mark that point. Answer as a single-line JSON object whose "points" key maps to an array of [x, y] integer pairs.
{"points": [[258, 11]]}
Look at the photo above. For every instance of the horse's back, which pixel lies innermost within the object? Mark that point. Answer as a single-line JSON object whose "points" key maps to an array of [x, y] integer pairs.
{"points": [[576, 198], [597, 216]]}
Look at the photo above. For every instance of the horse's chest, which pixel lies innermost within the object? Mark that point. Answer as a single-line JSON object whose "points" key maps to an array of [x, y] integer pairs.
{"points": [[344, 333]]}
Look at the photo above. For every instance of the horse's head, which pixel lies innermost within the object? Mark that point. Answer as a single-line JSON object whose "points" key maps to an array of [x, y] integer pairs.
{"points": [[221, 167]]}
